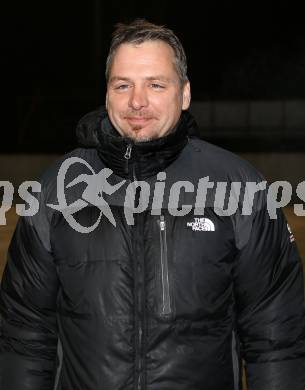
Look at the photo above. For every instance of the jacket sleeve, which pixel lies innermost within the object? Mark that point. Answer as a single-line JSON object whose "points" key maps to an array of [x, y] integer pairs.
{"points": [[269, 293], [28, 316]]}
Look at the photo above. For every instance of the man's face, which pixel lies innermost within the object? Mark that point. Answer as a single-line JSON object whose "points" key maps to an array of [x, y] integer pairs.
{"points": [[144, 95]]}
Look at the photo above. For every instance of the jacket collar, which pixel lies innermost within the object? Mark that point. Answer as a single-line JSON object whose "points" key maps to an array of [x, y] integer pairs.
{"points": [[131, 159]]}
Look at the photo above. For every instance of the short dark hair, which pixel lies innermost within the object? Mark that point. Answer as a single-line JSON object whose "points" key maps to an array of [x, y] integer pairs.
{"points": [[139, 31]]}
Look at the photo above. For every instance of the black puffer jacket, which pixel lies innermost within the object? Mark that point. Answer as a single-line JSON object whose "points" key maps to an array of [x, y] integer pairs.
{"points": [[166, 303]]}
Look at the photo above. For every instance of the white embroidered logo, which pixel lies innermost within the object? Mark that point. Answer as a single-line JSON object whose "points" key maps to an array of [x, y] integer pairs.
{"points": [[201, 225]]}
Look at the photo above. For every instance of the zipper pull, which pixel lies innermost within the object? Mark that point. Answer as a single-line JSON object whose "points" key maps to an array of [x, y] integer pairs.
{"points": [[162, 222], [127, 157], [127, 154]]}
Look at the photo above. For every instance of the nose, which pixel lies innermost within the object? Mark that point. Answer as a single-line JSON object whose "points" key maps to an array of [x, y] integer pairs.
{"points": [[138, 98]]}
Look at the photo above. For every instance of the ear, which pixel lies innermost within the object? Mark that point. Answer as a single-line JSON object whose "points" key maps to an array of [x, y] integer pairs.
{"points": [[106, 101], [186, 96]]}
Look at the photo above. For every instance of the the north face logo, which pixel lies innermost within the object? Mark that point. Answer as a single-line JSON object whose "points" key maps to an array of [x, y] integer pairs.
{"points": [[202, 225]]}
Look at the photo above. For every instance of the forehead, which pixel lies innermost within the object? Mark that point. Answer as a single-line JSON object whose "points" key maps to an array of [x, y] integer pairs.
{"points": [[150, 56]]}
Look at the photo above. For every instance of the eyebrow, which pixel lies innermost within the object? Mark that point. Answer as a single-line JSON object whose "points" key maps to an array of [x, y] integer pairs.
{"points": [[150, 78]]}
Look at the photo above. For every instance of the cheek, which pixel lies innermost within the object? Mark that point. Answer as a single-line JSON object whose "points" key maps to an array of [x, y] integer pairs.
{"points": [[171, 108], [117, 103], [164, 104]]}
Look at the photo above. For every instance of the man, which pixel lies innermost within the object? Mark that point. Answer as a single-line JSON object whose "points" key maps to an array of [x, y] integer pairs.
{"points": [[164, 295]]}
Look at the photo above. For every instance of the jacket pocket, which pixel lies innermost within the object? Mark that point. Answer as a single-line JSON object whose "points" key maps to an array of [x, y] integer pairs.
{"points": [[166, 307]]}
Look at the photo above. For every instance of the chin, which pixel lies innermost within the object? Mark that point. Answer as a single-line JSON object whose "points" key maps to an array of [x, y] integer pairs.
{"points": [[143, 137]]}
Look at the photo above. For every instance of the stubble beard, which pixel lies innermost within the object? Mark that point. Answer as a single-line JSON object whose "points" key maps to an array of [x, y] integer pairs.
{"points": [[135, 136]]}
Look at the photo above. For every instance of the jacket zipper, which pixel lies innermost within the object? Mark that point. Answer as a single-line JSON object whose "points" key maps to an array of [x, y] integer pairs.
{"points": [[166, 303], [139, 288], [140, 304], [127, 157]]}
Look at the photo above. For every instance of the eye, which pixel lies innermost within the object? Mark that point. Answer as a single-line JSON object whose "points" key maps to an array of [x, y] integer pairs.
{"points": [[121, 87], [157, 86]]}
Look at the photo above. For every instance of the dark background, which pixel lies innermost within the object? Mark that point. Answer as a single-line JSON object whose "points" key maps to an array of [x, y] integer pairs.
{"points": [[57, 57]]}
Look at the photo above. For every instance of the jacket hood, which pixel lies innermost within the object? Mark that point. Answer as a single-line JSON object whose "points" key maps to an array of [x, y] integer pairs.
{"points": [[143, 159]]}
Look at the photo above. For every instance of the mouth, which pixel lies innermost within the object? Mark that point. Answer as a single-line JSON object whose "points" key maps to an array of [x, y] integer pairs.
{"points": [[138, 120]]}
